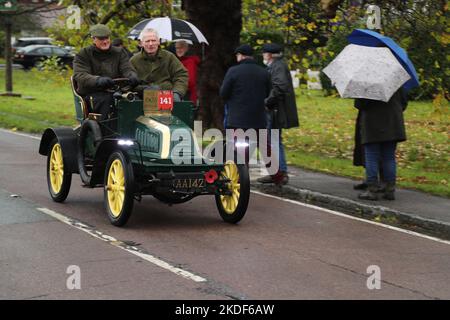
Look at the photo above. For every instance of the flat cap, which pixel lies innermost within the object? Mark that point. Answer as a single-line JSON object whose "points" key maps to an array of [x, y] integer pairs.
{"points": [[244, 49], [100, 30], [271, 48]]}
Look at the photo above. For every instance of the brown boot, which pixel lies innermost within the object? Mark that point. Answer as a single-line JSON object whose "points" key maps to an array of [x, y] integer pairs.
{"points": [[280, 178], [370, 193]]}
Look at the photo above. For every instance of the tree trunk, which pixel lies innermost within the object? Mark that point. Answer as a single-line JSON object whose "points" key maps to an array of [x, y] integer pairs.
{"points": [[221, 23], [8, 58]]}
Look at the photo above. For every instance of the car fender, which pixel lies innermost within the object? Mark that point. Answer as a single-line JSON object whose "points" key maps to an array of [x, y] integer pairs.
{"points": [[67, 138], [104, 150]]}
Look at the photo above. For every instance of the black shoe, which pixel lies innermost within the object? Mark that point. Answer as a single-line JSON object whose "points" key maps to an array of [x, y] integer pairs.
{"points": [[360, 186]]}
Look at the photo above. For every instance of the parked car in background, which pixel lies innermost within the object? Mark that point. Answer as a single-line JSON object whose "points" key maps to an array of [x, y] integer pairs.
{"points": [[28, 41], [30, 56]]}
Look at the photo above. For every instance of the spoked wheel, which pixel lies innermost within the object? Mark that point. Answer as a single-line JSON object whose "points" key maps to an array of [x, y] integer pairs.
{"points": [[232, 207], [119, 188], [58, 179]]}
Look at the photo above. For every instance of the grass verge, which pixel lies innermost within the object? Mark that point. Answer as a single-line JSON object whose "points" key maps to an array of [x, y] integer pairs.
{"points": [[325, 139]]}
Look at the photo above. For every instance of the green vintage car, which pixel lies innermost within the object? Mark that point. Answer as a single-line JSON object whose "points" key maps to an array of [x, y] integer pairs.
{"points": [[132, 154]]}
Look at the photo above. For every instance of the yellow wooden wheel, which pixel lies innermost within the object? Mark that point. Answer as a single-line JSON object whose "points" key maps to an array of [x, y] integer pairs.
{"points": [[116, 187], [232, 203], [58, 177], [119, 188], [56, 168]]}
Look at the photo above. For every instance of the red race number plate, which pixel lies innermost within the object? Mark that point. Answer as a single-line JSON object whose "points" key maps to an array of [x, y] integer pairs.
{"points": [[165, 100]]}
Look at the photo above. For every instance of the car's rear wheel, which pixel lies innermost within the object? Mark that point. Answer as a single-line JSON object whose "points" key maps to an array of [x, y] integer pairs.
{"points": [[232, 206], [58, 178], [119, 188]]}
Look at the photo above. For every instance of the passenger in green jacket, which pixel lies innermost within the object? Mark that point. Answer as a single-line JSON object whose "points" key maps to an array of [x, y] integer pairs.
{"points": [[95, 67], [159, 68]]}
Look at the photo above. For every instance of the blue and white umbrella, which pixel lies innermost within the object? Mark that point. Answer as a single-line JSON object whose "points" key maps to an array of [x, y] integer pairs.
{"points": [[370, 38], [366, 72], [169, 29]]}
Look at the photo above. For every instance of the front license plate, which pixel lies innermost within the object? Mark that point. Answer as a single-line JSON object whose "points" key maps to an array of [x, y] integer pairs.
{"points": [[188, 183]]}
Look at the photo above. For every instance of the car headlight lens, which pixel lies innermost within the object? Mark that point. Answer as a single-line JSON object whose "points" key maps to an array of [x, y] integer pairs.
{"points": [[125, 142]]}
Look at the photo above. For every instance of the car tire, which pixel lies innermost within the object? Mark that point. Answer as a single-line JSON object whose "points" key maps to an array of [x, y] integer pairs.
{"points": [[119, 188], [58, 178], [232, 208], [90, 136]]}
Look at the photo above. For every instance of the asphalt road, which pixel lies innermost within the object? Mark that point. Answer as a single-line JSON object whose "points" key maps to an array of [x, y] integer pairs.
{"points": [[280, 250]]}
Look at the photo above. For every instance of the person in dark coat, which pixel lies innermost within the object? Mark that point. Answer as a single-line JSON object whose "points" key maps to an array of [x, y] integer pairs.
{"points": [[244, 89], [358, 158], [381, 128], [281, 104], [95, 67]]}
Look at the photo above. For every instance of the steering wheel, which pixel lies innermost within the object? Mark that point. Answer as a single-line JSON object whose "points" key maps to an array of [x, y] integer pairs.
{"points": [[123, 84], [120, 84]]}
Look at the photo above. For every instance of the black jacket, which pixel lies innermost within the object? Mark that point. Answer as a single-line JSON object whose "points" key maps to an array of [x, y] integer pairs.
{"points": [[90, 63], [282, 97], [382, 121], [244, 89]]}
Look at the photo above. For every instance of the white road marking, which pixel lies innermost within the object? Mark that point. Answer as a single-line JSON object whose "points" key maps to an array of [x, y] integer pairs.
{"points": [[20, 134], [119, 244], [354, 218]]}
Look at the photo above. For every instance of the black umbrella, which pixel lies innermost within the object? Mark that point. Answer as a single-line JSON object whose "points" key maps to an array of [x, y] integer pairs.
{"points": [[169, 29]]}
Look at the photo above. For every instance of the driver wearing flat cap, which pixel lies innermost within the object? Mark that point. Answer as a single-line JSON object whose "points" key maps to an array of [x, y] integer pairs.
{"points": [[95, 67]]}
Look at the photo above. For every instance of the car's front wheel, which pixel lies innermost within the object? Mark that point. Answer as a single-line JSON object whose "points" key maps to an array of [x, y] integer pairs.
{"points": [[119, 188], [58, 177], [233, 205]]}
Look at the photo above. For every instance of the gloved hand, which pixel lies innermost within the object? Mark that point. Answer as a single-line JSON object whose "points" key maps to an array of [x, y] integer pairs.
{"points": [[104, 82], [134, 81], [177, 97]]}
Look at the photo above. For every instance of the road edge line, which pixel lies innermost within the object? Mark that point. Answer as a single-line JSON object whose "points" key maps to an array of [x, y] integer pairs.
{"points": [[119, 244]]}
